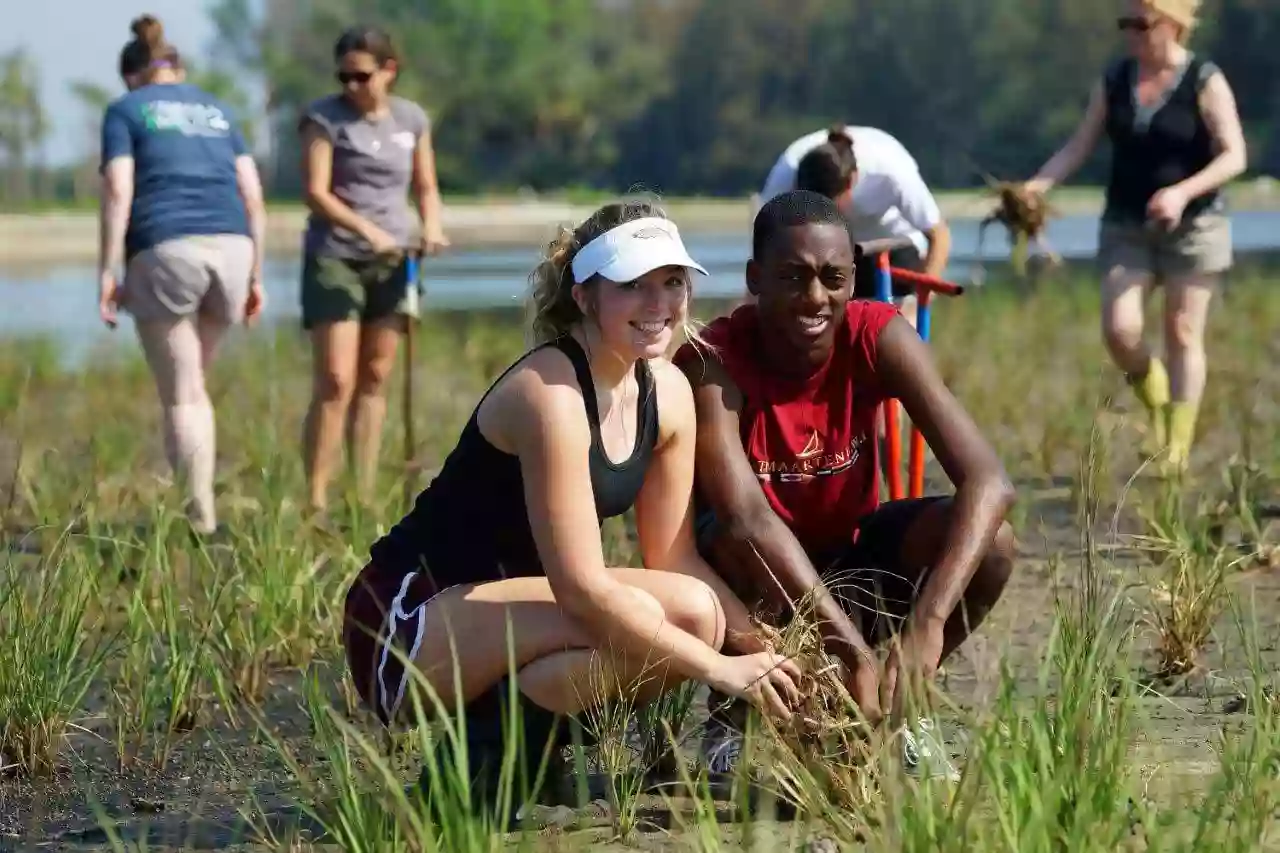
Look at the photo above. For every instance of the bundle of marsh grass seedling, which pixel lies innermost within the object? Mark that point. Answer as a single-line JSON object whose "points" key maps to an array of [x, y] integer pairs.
{"points": [[1025, 215], [824, 761]]}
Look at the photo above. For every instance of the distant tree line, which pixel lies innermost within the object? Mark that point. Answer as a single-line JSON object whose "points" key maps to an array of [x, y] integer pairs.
{"points": [[699, 96]]}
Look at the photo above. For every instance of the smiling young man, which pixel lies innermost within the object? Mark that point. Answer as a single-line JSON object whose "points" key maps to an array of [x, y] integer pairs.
{"points": [[786, 394]]}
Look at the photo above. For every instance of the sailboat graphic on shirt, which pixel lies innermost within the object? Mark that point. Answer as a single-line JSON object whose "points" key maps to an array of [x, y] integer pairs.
{"points": [[815, 460], [812, 448]]}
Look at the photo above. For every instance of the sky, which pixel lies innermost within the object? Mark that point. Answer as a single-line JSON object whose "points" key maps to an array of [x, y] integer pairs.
{"points": [[80, 40]]}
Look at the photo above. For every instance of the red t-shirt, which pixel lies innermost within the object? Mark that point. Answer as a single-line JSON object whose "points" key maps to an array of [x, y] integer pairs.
{"points": [[811, 442]]}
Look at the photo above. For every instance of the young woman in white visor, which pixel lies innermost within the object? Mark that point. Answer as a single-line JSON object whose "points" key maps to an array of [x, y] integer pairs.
{"points": [[500, 562]]}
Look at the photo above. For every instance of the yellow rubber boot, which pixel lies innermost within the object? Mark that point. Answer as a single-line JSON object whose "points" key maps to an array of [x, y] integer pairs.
{"points": [[1182, 432], [1152, 391]]}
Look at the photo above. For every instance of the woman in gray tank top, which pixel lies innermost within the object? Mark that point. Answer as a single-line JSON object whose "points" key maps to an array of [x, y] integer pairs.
{"points": [[365, 150]]}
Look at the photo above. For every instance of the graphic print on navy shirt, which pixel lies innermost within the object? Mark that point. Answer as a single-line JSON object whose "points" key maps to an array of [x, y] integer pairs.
{"points": [[184, 143]]}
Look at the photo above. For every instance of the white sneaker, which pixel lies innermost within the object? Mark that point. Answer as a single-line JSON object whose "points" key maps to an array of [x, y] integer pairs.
{"points": [[924, 755]]}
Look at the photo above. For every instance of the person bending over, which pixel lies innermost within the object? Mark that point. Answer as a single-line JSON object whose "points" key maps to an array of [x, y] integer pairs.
{"points": [[877, 185], [500, 560], [786, 395]]}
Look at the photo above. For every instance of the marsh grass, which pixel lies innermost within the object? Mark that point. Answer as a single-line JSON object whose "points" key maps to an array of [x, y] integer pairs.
{"points": [[1193, 563], [52, 649], [168, 674], [187, 639]]}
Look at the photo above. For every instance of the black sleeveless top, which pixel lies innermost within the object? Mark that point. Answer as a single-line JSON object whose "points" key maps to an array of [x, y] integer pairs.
{"points": [[471, 525], [1156, 147]]}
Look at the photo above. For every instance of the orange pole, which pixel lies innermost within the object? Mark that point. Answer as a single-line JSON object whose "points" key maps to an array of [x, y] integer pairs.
{"points": [[894, 449], [892, 431], [915, 465]]}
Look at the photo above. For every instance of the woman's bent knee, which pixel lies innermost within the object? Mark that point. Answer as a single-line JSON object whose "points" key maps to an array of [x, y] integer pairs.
{"points": [[1185, 331], [695, 608], [334, 386], [1122, 329]]}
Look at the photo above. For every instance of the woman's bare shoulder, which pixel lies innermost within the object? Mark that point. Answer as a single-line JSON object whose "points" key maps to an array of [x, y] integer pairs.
{"points": [[540, 386], [675, 398]]}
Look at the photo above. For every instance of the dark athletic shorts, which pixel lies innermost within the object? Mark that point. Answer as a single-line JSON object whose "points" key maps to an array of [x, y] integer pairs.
{"points": [[387, 609], [384, 610], [337, 289], [867, 576], [384, 622], [864, 275]]}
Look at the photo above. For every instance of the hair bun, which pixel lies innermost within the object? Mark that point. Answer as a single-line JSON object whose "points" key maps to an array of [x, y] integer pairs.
{"points": [[148, 29], [838, 135]]}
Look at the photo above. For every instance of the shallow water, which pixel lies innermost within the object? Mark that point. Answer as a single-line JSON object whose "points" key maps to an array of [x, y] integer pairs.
{"points": [[59, 301]]}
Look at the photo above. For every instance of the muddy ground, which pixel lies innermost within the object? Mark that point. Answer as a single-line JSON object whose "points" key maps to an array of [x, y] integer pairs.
{"points": [[218, 776]]}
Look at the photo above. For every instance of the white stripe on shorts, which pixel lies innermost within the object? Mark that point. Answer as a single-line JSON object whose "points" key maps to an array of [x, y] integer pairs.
{"points": [[390, 700]]}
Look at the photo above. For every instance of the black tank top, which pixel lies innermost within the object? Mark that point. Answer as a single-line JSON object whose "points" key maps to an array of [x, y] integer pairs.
{"points": [[1153, 149], [470, 524]]}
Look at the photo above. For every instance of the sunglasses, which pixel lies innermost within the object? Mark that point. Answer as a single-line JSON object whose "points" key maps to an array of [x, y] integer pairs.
{"points": [[348, 77], [1135, 23]]}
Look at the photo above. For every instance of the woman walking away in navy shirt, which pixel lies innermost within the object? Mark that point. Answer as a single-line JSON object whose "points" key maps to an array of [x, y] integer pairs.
{"points": [[500, 561], [364, 151], [182, 213], [1176, 140]]}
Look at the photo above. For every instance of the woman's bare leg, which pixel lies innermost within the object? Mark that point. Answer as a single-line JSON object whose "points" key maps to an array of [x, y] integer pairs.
{"points": [[335, 349], [476, 633], [1124, 294], [368, 411], [1186, 312], [176, 350]]}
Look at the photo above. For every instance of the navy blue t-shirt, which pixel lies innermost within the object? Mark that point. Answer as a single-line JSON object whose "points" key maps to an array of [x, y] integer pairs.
{"points": [[184, 143]]}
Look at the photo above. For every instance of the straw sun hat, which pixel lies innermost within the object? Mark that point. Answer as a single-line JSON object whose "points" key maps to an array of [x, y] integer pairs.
{"points": [[1181, 12]]}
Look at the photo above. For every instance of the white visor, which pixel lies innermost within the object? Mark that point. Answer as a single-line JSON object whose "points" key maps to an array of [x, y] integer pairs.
{"points": [[632, 249]]}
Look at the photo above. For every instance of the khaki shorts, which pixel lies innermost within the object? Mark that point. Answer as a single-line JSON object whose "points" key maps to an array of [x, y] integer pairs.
{"points": [[335, 290], [1201, 245], [204, 274]]}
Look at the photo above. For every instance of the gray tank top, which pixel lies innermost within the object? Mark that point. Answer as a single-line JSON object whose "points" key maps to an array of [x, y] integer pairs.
{"points": [[372, 172]]}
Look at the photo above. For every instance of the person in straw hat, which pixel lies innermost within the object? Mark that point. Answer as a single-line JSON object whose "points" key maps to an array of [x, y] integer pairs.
{"points": [[1176, 140]]}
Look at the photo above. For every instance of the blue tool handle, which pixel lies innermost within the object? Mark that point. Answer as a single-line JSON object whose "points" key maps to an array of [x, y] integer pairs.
{"points": [[923, 312], [884, 282]]}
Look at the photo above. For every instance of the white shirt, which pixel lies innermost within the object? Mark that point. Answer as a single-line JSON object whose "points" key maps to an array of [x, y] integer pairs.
{"points": [[889, 199]]}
